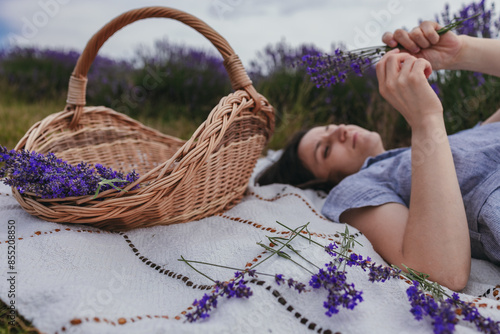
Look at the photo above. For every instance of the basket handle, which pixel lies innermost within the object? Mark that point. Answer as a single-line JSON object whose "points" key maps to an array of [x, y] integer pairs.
{"points": [[78, 80]]}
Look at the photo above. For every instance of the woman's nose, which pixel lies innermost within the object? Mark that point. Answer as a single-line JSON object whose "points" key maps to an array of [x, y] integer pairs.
{"points": [[341, 133]]}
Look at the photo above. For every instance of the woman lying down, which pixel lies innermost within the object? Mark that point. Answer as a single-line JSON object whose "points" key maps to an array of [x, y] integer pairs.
{"points": [[431, 207]]}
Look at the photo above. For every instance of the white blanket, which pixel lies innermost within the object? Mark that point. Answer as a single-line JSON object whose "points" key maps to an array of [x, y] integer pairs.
{"points": [[78, 279]]}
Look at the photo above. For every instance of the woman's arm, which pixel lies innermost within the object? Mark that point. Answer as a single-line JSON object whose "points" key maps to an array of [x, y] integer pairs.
{"points": [[478, 55], [432, 235]]}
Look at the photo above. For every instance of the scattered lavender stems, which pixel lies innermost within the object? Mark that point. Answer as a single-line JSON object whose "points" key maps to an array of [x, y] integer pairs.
{"points": [[49, 177], [444, 312]]}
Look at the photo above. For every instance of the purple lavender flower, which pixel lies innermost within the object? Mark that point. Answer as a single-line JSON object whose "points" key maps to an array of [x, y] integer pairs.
{"points": [[482, 25], [49, 177], [471, 314], [443, 315], [377, 273], [203, 307], [444, 312], [235, 288], [300, 287], [330, 249], [340, 293], [251, 272], [279, 279], [326, 70]]}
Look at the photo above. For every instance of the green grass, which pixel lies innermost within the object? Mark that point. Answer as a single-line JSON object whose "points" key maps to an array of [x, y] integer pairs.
{"points": [[20, 326], [17, 117]]}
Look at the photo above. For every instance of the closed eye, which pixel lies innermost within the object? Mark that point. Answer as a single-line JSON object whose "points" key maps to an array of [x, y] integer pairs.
{"points": [[325, 153]]}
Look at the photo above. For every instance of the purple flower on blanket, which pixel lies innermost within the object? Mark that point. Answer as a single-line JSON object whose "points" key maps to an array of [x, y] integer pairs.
{"points": [[471, 314], [445, 312], [236, 288], [340, 293], [279, 279], [49, 177], [443, 316], [377, 273], [330, 249]]}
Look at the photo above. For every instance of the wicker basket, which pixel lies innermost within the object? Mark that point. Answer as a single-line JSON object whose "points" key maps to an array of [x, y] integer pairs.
{"points": [[180, 180]]}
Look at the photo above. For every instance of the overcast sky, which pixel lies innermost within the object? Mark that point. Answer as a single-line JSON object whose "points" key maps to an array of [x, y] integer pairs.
{"points": [[248, 25]]}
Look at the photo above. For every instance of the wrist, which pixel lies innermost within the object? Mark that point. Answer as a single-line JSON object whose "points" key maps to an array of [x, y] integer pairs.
{"points": [[427, 125], [463, 58]]}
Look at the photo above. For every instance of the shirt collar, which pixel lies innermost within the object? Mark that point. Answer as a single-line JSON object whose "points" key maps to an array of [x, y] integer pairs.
{"points": [[382, 156]]}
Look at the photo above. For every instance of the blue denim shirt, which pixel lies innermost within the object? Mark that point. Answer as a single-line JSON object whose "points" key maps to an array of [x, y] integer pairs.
{"points": [[387, 178]]}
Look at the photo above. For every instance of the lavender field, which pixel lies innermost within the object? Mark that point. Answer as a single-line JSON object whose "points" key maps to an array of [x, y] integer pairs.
{"points": [[173, 87]]}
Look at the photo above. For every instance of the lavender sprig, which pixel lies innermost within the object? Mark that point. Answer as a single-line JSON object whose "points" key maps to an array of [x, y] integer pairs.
{"points": [[340, 293], [233, 289], [443, 308], [279, 279], [377, 273], [326, 70], [47, 176], [443, 316]]}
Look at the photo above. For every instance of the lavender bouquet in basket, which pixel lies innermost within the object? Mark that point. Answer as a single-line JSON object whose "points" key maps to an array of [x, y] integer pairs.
{"points": [[330, 69], [49, 177]]}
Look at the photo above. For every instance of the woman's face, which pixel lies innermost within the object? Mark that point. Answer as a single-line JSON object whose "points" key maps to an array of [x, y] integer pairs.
{"points": [[333, 152]]}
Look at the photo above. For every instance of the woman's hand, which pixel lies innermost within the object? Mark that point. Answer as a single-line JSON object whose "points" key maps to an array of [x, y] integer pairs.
{"points": [[431, 235], [442, 51], [403, 83]]}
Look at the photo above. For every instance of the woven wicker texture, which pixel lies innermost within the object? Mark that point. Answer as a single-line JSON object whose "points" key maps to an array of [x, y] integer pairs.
{"points": [[180, 180]]}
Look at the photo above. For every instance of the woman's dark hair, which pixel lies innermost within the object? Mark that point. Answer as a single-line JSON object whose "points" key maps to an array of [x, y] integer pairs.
{"points": [[289, 169]]}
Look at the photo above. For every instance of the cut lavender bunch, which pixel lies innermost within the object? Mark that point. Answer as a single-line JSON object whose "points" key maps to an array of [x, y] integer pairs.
{"points": [[49, 177], [327, 70]]}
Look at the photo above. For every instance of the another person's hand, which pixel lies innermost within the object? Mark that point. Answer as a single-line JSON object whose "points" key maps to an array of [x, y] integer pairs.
{"points": [[423, 41], [403, 83]]}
